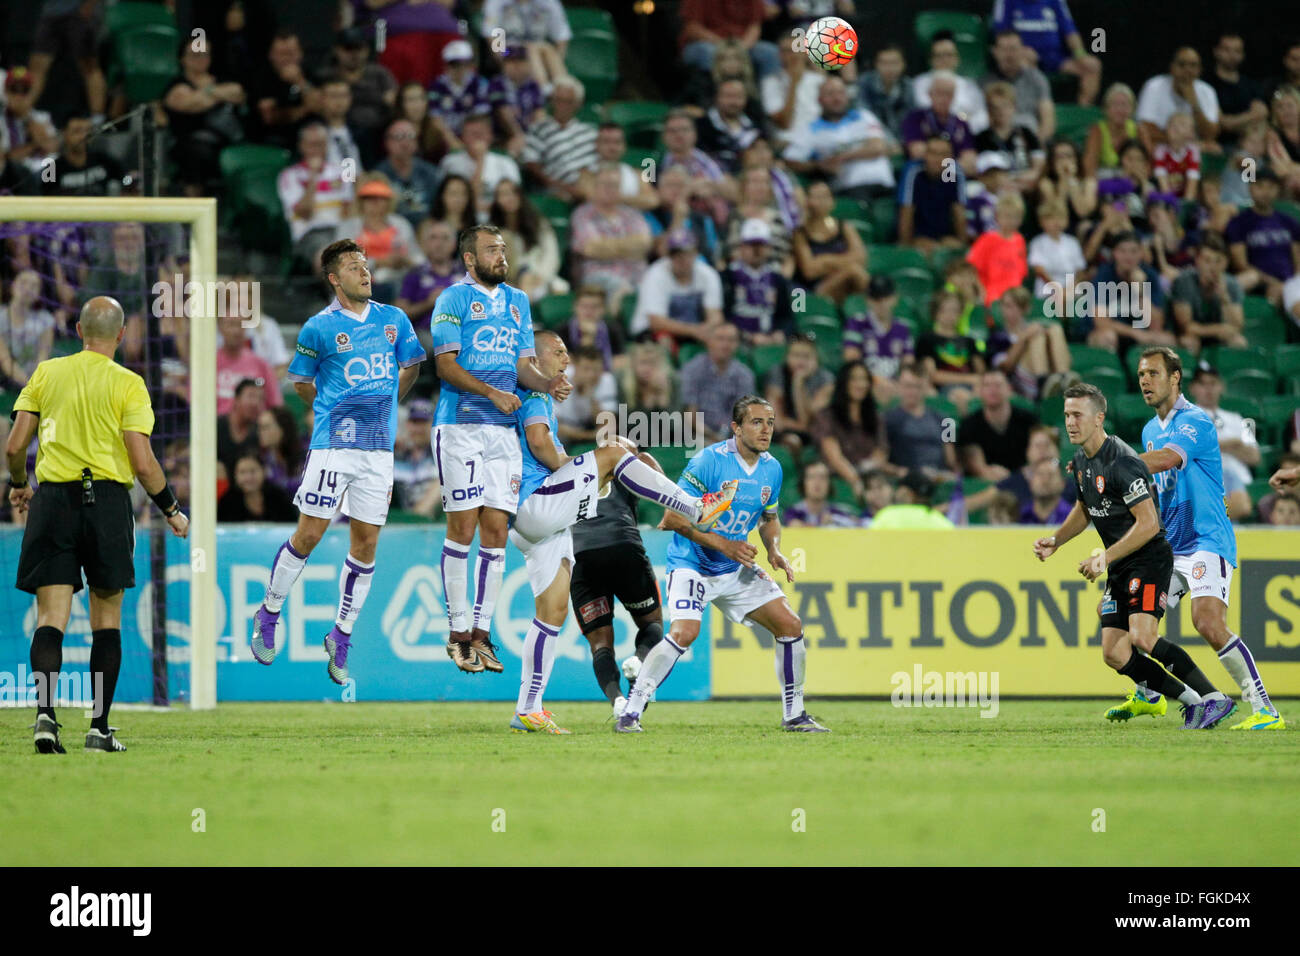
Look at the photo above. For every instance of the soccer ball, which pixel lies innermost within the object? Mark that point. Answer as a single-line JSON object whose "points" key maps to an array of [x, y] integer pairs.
{"points": [[831, 43]]}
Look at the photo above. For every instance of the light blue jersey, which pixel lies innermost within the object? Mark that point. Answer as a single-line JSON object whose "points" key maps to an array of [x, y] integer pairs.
{"points": [[759, 491], [535, 407], [491, 332], [353, 361], [1192, 503]]}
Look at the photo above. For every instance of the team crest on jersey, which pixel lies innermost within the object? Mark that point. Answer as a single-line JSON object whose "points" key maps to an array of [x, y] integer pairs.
{"points": [[514, 484], [1101, 484], [1151, 446], [764, 494], [514, 314], [1133, 585], [390, 333], [1198, 570], [477, 308], [343, 342]]}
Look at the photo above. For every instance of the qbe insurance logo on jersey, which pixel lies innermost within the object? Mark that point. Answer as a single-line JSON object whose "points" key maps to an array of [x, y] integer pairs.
{"points": [[488, 339], [390, 333]]}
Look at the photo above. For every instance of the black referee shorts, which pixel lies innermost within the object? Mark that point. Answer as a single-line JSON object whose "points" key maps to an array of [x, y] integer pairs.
{"points": [[1138, 585], [602, 574], [64, 537]]}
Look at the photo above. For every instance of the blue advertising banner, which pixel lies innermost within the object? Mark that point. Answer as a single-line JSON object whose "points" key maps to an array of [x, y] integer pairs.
{"points": [[398, 648]]}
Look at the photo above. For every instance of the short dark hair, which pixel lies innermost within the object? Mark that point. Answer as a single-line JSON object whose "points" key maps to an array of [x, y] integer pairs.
{"points": [[610, 125], [1214, 242], [331, 254], [892, 47], [1090, 392], [1127, 236], [1173, 363], [743, 404], [468, 241], [245, 383], [590, 353]]}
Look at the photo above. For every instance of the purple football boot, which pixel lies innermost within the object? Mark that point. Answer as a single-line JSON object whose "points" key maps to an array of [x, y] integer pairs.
{"points": [[337, 645], [263, 640], [1215, 710]]}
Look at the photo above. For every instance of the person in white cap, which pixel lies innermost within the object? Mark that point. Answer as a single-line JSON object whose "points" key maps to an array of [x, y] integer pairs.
{"points": [[458, 94], [993, 168]]}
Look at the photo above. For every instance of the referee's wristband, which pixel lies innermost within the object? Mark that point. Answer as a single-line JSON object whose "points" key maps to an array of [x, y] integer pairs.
{"points": [[25, 483], [166, 501]]}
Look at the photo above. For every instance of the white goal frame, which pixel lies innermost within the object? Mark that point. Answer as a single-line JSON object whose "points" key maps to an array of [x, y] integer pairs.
{"points": [[201, 216]]}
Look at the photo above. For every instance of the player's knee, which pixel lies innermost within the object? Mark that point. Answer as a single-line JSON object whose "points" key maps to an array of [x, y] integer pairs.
{"points": [[306, 538], [1114, 659], [684, 633], [601, 638], [1210, 627]]}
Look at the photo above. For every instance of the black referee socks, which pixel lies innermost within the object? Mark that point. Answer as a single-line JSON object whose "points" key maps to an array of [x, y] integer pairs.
{"points": [[602, 662], [105, 662], [1182, 666], [47, 661]]}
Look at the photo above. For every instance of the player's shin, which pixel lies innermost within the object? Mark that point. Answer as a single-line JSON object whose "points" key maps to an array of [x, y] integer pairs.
{"points": [[105, 663], [658, 665], [286, 567], [644, 482], [354, 584], [455, 567], [1181, 665], [607, 672], [487, 578], [1239, 662], [1143, 670], [538, 657], [46, 661], [791, 654]]}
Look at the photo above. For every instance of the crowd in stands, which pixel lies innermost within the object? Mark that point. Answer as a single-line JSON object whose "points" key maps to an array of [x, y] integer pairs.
{"points": [[910, 259]]}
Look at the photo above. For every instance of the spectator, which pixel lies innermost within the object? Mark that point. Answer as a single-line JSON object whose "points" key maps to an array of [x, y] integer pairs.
{"points": [[993, 440], [1179, 91], [1177, 161], [594, 391], [237, 361], [1115, 222], [1241, 100], [425, 282], [790, 96], [916, 433], [315, 194], [786, 191], [283, 95], [455, 204], [1003, 509], [814, 510], [416, 488], [850, 432], [876, 337], [725, 132], [1052, 40], [342, 147], [1062, 181], [458, 93], [125, 277], [845, 143], [756, 294], [1033, 355], [1130, 301], [1170, 246], [994, 170], [30, 131], [1251, 153], [69, 28], [414, 180], [416, 36], [912, 507], [1286, 511], [675, 213], [714, 379], [649, 382], [635, 185], [1054, 255], [477, 163], [680, 296], [413, 107], [237, 428], [590, 328], [80, 171], [1287, 462], [1263, 243], [799, 389], [203, 118], [730, 62], [1136, 181], [1043, 446], [612, 239], [952, 361], [1206, 301], [1034, 109], [388, 238], [280, 449], [251, 497], [534, 254], [561, 146], [539, 26], [518, 101], [830, 257], [886, 92], [1048, 504], [945, 61], [931, 200], [710, 189], [1284, 138], [1017, 143], [706, 23], [372, 87], [1237, 444], [758, 203], [26, 330], [999, 256], [1117, 125], [264, 333], [878, 494], [938, 120]]}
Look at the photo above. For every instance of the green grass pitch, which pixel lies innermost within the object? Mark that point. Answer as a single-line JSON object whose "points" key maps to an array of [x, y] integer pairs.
{"points": [[708, 783]]}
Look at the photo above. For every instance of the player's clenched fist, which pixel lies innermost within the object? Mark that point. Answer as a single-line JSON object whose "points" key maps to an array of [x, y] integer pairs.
{"points": [[505, 402], [1285, 478], [1044, 548], [560, 388]]}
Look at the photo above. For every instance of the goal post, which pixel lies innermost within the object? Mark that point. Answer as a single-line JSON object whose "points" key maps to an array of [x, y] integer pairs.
{"points": [[200, 215]]}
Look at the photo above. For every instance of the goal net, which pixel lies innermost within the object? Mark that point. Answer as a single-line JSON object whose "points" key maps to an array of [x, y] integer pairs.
{"points": [[157, 258]]}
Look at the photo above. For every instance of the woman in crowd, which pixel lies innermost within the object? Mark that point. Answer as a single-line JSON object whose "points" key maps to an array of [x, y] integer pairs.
{"points": [[455, 203], [534, 255], [251, 497], [1065, 181], [649, 383], [413, 105], [830, 258], [850, 431], [280, 448], [1100, 151]]}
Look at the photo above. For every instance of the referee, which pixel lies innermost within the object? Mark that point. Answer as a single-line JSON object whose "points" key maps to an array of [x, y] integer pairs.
{"points": [[94, 421]]}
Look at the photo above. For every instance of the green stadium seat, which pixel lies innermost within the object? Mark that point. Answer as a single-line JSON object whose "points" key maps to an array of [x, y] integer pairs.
{"points": [[672, 459], [763, 359], [555, 310], [1086, 357], [1275, 413], [246, 157], [7, 400], [1289, 208], [914, 284], [1112, 382], [642, 122], [594, 61], [1255, 383], [822, 306], [125, 15], [586, 21], [1073, 121], [259, 217], [1257, 307], [296, 406], [146, 58], [627, 310], [849, 208], [688, 351], [789, 471], [942, 406], [884, 220], [1244, 405], [968, 32], [649, 513], [637, 155], [553, 208], [940, 256], [1286, 362], [830, 348], [1268, 455], [855, 304], [1128, 413], [1212, 166], [843, 494], [810, 323], [1051, 411], [1267, 329], [889, 259], [1227, 361]]}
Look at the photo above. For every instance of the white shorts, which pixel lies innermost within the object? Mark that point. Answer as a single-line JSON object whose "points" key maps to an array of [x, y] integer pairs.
{"points": [[1200, 574], [355, 480], [568, 495], [544, 559], [736, 594], [479, 466]]}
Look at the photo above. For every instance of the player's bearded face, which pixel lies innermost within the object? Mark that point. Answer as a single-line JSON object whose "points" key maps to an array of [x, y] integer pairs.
{"points": [[492, 264], [756, 432]]}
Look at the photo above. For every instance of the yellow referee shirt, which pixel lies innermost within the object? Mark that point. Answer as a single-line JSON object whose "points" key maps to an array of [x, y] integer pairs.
{"points": [[85, 401]]}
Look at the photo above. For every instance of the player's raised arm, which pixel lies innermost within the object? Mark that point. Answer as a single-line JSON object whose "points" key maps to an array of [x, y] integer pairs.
{"points": [[1162, 459]]}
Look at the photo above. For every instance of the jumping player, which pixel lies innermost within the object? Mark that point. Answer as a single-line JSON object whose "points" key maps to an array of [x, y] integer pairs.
{"points": [[1115, 489], [482, 344], [354, 361], [1182, 452], [556, 492], [719, 566]]}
